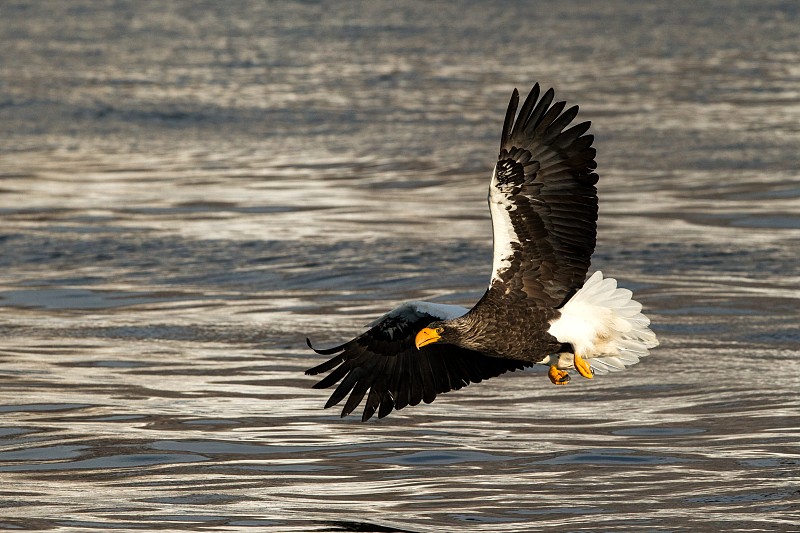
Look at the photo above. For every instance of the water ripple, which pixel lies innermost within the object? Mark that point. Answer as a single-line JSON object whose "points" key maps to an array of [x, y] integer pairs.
{"points": [[188, 193]]}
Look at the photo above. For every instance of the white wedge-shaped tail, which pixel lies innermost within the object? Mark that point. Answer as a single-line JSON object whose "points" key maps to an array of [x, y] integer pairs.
{"points": [[604, 325]]}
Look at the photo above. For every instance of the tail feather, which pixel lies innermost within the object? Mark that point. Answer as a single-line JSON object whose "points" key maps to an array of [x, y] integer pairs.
{"points": [[630, 309], [605, 325], [604, 365]]}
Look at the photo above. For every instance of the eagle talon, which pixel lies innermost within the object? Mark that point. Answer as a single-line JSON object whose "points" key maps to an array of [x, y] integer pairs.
{"points": [[584, 368], [558, 377]]}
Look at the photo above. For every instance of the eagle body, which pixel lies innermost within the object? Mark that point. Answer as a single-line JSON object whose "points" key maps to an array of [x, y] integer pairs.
{"points": [[485, 328], [539, 307]]}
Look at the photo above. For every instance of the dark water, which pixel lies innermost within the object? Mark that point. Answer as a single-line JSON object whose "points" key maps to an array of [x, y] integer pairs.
{"points": [[188, 189]]}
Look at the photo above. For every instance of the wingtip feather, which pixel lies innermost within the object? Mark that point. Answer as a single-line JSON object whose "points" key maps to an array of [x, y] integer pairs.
{"points": [[325, 351], [508, 122]]}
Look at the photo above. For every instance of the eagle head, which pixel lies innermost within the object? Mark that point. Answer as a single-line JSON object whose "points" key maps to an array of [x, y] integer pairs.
{"points": [[435, 332]]}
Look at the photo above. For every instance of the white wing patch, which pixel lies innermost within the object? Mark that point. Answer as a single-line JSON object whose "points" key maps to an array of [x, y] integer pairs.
{"points": [[502, 229], [410, 311], [440, 311]]}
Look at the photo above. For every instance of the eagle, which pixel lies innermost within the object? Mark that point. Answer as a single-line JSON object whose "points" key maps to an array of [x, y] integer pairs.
{"points": [[539, 307]]}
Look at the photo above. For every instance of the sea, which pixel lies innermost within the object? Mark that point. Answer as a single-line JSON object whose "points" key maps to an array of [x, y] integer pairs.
{"points": [[189, 189]]}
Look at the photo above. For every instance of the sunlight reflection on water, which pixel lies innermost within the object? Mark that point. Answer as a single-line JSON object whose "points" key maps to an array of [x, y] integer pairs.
{"points": [[185, 203]]}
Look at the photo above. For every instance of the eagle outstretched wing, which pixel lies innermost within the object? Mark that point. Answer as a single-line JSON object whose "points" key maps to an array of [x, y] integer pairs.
{"points": [[384, 364], [543, 201]]}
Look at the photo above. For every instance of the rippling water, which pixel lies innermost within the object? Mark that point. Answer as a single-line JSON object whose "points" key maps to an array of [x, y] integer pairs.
{"points": [[189, 189]]}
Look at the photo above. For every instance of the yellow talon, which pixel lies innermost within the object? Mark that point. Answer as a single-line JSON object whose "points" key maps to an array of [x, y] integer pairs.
{"points": [[583, 367], [558, 377]]}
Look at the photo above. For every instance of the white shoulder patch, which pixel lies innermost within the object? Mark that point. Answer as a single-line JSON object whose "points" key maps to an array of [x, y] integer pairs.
{"points": [[440, 311], [411, 310], [502, 229]]}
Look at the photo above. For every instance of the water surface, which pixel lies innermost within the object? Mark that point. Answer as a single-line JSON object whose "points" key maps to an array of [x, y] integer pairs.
{"points": [[189, 189]]}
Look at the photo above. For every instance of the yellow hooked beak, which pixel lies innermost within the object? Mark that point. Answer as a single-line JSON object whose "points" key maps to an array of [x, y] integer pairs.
{"points": [[427, 336]]}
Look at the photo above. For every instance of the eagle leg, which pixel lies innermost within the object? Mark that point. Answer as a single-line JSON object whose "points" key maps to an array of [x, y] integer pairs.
{"points": [[558, 377], [583, 367]]}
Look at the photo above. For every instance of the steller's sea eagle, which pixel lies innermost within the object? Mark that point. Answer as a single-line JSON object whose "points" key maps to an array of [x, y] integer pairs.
{"points": [[537, 310]]}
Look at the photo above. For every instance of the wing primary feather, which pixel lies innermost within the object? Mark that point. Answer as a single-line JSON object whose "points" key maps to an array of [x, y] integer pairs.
{"points": [[525, 111], [333, 377], [415, 390], [378, 386], [327, 365], [373, 401], [472, 371], [580, 147], [344, 387], [387, 404], [401, 387], [458, 371], [428, 385], [562, 122], [441, 373], [387, 400], [356, 396], [571, 135], [548, 119], [509, 120], [538, 111]]}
